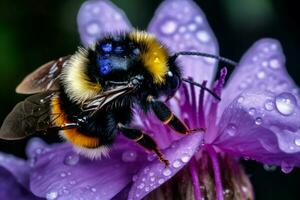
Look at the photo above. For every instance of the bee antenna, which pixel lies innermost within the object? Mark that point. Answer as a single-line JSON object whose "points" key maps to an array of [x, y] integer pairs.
{"points": [[195, 53], [203, 87]]}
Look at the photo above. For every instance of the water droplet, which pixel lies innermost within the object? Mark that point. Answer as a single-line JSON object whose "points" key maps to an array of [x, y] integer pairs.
{"points": [[93, 189], [261, 75], [240, 99], [141, 186], [203, 36], [185, 158], [264, 64], [51, 195], [231, 129], [252, 111], [129, 156], [192, 27], [297, 142], [72, 182], [269, 105], [177, 164], [286, 103], [152, 179], [274, 63], [147, 189], [167, 172], [71, 159], [93, 29], [169, 27], [199, 19], [258, 121], [160, 181], [286, 168], [63, 174]]}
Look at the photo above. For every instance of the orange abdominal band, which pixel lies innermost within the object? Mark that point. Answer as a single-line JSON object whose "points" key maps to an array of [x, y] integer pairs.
{"points": [[72, 135]]}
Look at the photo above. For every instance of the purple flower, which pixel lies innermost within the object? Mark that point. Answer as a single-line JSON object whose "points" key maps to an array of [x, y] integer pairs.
{"points": [[258, 118]]}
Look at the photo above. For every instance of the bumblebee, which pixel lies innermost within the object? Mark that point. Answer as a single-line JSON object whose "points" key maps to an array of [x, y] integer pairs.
{"points": [[89, 96]]}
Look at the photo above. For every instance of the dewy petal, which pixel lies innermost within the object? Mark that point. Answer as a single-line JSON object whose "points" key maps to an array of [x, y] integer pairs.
{"points": [[182, 26], [262, 126], [97, 18], [61, 173], [11, 189], [261, 68], [17, 167], [155, 173]]}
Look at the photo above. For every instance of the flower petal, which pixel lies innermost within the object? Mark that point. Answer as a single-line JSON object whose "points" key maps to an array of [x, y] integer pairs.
{"points": [[182, 26], [155, 173], [17, 167], [263, 126], [62, 174], [262, 68], [11, 189], [99, 17]]}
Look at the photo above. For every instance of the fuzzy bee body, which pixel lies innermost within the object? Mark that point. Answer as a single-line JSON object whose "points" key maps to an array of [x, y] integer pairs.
{"points": [[90, 95]]}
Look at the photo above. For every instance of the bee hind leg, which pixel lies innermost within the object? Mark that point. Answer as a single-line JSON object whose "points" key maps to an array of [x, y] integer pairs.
{"points": [[142, 139]]}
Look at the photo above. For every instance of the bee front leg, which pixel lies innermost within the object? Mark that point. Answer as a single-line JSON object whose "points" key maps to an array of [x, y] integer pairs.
{"points": [[167, 117], [142, 139]]}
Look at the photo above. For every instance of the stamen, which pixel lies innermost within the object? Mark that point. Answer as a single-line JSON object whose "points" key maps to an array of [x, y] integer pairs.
{"points": [[195, 180], [200, 113], [217, 172], [201, 86]]}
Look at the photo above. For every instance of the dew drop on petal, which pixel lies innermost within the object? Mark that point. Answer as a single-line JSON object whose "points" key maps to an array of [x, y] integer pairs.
{"points": [[274, 63], [285, 103], [160, 181], [63, 174], [203, 36], [185, 158], [141, 186], [93, 29], [258, 121], [147, 189], [71, 159], [252, 111], [167, 172], [269, 105], [93, 189], [286, 168], [231, 129], [261, 75], [51, 195], [177, 164], [134, 178], [297, 142], [152, 179], [199, 19], [169, 27], [129, 156], [240, 99]]}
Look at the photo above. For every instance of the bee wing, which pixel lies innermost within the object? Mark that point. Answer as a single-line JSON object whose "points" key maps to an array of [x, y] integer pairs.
{"points": [[27, 117], [44, 78], [107, 97]]}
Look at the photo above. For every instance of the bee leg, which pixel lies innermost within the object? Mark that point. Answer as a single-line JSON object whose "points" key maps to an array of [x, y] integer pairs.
{"points": [[64, 127], [142, 139], [167, 117]]}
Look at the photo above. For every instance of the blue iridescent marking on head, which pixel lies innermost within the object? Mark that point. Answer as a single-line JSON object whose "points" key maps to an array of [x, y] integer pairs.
{"points": [[106, 47], [119, 50], [104, 65]]}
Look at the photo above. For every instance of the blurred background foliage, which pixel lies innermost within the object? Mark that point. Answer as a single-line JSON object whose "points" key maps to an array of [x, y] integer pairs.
{"points": [[33, 32]]}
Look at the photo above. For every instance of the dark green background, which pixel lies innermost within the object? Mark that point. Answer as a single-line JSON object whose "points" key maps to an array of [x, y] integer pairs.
{"points": [[33, 32]]}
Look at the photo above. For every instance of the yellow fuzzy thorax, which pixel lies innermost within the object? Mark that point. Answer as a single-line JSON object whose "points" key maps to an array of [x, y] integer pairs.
{"points": [[78, 85], [155, 58]]}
